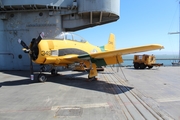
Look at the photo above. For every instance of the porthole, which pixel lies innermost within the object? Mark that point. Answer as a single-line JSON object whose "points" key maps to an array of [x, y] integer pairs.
{"points": [[12, 15], [40, 14], [20, 56]]}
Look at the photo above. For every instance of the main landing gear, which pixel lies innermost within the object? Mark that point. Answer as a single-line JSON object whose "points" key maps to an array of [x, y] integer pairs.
{"points": [[42, 77], [91, 78], [53, 72], [92, 72]]}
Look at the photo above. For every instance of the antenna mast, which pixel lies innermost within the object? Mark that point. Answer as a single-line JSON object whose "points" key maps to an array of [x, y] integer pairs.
{"points": [[178, 32]]}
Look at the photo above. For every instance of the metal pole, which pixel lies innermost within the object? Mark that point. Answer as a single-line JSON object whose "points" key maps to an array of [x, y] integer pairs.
{"points": [[1, 4], [179, 31], [31, 70]]}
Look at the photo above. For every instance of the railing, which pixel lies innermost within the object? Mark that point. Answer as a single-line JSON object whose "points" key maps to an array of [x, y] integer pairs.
{"points": [[165, 61], [128, 59]]}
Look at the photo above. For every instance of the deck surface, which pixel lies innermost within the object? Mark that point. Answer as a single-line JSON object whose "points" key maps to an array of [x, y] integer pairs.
{"points": [[118, 94]]}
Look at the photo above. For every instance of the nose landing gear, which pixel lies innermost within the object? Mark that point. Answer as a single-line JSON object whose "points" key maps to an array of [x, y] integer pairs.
{"points": [[42, 77]]}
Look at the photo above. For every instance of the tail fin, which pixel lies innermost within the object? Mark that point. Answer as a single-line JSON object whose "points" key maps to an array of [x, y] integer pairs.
{"points": [[111, 43]]}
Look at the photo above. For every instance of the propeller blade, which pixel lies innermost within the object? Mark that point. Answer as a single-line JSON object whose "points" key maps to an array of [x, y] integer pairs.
{"points": [[36, 41], [23, 43], [41, 35]]}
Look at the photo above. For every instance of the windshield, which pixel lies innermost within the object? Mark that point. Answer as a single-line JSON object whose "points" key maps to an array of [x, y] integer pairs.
{"points": [[70, 36]]}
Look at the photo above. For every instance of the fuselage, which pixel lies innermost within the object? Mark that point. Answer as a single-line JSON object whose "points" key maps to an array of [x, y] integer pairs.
{"points": [[59, 48]]}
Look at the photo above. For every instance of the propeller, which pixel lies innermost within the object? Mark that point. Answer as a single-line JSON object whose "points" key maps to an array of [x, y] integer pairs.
{"points": [[29, 50]]}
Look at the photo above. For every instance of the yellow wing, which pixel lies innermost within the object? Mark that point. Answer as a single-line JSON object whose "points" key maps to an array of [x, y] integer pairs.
{"points": [[126, 51], [102, 58]]}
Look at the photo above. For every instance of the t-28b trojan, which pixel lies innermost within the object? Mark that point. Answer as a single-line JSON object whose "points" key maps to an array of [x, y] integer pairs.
{"points": [[67, 48]]}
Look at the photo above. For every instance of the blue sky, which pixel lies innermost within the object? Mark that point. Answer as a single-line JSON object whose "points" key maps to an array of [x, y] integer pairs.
{"points": [[141, 22]]}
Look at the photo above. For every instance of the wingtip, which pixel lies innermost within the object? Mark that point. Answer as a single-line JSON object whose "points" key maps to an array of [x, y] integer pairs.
{"points": [[159, 46]]}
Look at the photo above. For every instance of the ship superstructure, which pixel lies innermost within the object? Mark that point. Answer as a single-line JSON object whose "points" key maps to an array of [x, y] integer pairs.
{"points": [[26, 19]]}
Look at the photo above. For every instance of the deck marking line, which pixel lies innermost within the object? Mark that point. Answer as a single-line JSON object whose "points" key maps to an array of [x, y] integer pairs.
{"points": [[97, 105], [168, 99]]}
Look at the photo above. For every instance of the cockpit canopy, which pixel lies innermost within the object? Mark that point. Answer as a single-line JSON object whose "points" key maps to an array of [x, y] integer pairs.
{"points": [[70, 36]]}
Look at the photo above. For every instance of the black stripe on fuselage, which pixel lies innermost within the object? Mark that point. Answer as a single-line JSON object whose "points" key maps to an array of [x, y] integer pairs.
{"points": [[69, 51]]}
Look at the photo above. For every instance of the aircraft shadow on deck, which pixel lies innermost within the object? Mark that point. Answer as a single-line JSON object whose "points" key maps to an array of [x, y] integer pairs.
{"points": [[73, 80]]}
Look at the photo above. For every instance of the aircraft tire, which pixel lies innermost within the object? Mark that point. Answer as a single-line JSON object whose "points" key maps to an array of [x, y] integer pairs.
{"points": [[93, 78], [90, 77], [42, 77], [53, 72]]}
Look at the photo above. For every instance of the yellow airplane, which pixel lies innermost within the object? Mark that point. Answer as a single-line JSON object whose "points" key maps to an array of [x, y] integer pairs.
{"points": [[68, 48]]}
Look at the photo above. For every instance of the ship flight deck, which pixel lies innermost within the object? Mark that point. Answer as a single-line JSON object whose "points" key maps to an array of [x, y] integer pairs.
{"points": [[118, 94]]}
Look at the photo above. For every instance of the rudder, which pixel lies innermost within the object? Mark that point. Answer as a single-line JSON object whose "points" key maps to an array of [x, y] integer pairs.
{"points": [[111, 43]]}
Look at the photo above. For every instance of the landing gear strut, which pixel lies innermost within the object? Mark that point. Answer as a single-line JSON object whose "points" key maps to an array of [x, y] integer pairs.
{"points": [[42, 77], [92, 72]]}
